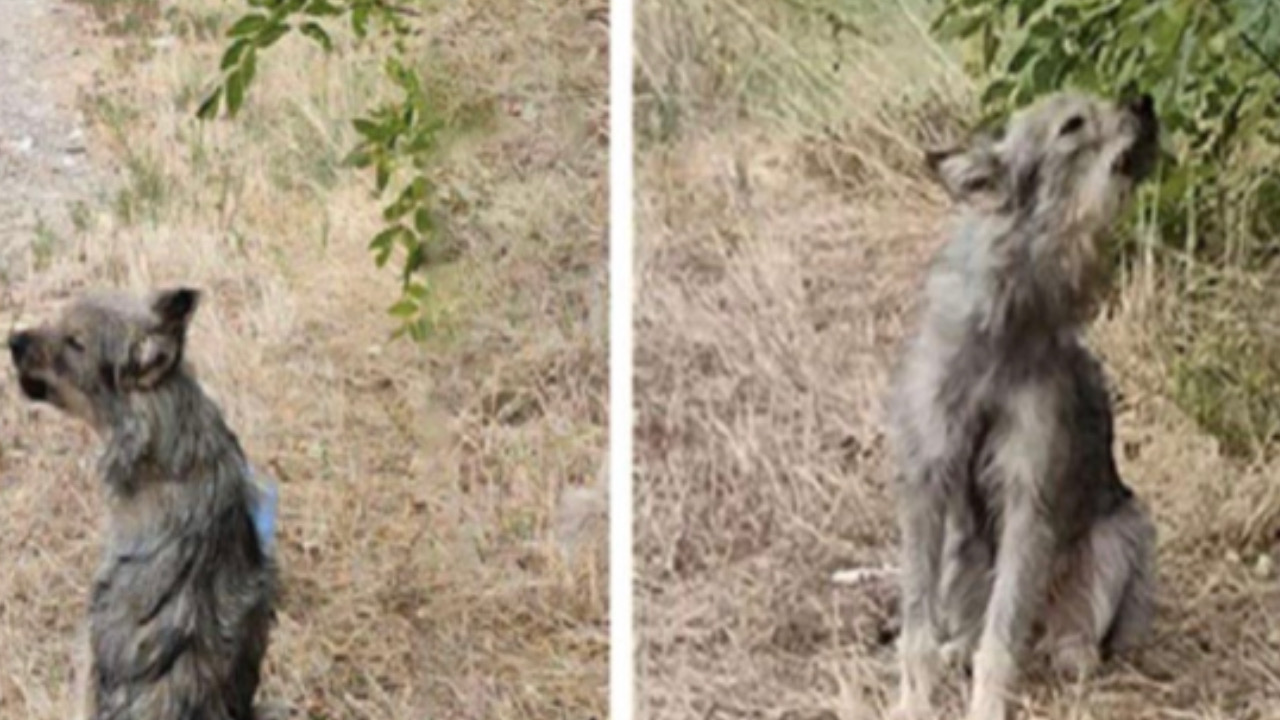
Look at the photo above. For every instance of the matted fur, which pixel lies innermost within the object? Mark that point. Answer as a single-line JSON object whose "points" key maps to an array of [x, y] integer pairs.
{"points": [[182, 604], [1011, 507]]}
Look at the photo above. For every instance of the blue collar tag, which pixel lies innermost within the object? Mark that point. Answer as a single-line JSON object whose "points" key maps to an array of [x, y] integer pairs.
{"points": [[265, 500]]}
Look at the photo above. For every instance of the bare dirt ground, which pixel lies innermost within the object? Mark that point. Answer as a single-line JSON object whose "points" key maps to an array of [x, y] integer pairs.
{"points": [[441, 530], [784, 226], [43, 163]]}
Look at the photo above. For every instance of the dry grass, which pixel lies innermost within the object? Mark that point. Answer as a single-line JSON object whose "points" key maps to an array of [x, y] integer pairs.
{"points": [[783, 227], [432, 565]]}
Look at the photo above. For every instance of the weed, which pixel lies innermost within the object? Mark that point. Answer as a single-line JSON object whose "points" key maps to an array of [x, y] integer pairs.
{"points": [[43, 245]]}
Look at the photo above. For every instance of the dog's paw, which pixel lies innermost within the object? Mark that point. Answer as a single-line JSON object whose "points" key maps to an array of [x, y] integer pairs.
{"points": [[987, 706], [911, 710], [1075, 660], [957, 653]]}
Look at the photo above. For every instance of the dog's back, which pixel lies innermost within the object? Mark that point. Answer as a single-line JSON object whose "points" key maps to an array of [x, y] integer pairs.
{"points": [[181, 607]]}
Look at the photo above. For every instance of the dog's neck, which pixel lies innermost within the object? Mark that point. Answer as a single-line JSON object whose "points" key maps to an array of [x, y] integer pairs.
{"points": [[1034, 282], [165, 435]]}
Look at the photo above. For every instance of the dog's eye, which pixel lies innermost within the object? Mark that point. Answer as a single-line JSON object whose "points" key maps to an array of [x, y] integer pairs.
{"points": [[1074, 124], [74, 343]]}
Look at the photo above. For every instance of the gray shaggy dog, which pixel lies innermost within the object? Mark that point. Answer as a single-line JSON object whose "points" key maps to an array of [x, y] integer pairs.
{"points": [[1011, 509], [182, 604]]}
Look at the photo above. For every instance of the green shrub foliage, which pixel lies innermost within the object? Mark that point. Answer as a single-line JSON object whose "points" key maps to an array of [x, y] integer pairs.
{"points": [[398, 139]]}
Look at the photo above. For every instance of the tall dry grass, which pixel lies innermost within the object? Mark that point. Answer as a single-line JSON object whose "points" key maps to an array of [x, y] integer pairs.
{"points": [[432, 565], [784, 224]]}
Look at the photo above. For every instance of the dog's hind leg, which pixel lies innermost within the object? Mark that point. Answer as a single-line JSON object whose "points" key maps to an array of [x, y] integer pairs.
{"points": [[1105, 597], [1132, 624]]}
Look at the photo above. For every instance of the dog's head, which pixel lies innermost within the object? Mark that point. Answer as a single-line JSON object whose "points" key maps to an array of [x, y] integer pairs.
{"points": [[104, 347], [1070, 156]]}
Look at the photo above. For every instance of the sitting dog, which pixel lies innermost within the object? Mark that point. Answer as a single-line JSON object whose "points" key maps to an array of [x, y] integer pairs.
{"points": [[182, 605], [1011, 509]]}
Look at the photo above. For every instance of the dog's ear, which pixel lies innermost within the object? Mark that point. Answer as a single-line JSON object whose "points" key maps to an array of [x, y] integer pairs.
{"points": [[160, 349], [174, 308], [967, 171]]}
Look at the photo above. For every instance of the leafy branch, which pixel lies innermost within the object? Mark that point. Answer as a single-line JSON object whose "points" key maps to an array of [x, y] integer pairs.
{"points": [[398, 139]]}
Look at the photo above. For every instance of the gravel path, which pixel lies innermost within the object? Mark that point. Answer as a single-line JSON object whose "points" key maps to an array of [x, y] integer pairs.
{"points": [[44, 165]]}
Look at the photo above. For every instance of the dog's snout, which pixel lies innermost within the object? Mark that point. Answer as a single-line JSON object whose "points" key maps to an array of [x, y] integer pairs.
{"points": [[1143, 106], [19, 344]]}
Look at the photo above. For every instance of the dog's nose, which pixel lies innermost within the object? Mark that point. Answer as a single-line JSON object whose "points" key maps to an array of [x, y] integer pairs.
{"points": [[19, 343], [1143, 106]]}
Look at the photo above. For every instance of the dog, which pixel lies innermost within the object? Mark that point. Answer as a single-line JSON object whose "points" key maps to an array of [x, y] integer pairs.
{"points": [[183, 602], [1011, 509]]}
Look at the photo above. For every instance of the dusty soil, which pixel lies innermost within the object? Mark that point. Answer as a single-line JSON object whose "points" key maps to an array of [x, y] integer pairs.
{"points": [[44, 165]]}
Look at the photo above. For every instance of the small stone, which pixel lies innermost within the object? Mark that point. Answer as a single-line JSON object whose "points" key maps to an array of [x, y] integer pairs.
{"points": [[1264, 567]]}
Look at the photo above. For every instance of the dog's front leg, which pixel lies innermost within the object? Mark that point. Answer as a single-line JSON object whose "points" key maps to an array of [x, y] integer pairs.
{"points": [[1023, 462], [922, 519], [1022, 564]]}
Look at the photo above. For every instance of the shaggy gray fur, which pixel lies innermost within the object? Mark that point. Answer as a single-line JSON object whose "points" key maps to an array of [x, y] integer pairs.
{"points": [[1010, 505], [182, 604]]}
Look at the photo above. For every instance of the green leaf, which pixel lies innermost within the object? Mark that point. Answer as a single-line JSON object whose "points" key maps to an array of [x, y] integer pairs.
{"points": [[420, 187], [360, 21], [235, 92], [423, 222], [383, 175], [369, 129], [1044, 29], [249, 67], [384, 242], [317, 33], [322, 8], [1027, 8], [997, 91], [268, 37], [1022, 58], [209, 108], [248, 25], [413, 262], [386, 238], [416, 290], [944, 16], [402, 205], [360, 157], [232, 56], [965, 26], [405, 309], [1047, 75]]}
